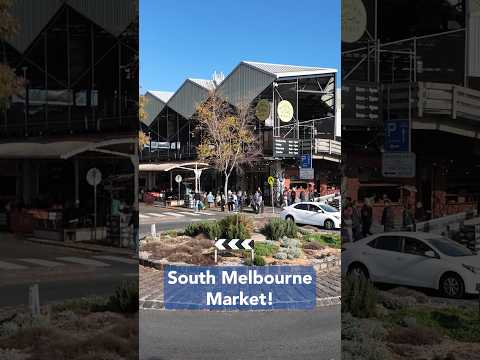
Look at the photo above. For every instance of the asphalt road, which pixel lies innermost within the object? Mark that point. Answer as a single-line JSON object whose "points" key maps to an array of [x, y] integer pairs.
{"points": [[62, 273], [292, 335]]}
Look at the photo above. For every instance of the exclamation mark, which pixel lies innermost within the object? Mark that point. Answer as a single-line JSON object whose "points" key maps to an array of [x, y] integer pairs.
{"points": [[270, 300]]}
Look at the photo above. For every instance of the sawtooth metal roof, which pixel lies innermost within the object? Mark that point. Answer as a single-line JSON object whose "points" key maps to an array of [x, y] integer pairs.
{"points": [[246, 81], [280, 70], [163, 96], [33, 15]]}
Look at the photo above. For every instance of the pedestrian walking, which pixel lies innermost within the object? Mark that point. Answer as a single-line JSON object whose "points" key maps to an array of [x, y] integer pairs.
{"points": [[367, 217], [197, 197], [388, 217], [419, 212], [230, 200], [218, 201], [356, 222], [347, 221], [223, 202], [408, 220], [134, 222], [302, 195], [293, 196], [210, 200]]}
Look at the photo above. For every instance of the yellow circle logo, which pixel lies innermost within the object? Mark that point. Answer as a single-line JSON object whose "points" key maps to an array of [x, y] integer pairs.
{"points": [[285, 111], [262, 111]]}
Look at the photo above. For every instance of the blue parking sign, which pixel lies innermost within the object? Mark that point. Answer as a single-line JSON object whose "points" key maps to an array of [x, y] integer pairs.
{"points": [[397, 134], [306, 161]]}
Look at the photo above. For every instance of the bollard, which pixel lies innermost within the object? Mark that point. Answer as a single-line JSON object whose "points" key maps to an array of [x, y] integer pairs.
{"points": [[153, 231], [34, 300]]}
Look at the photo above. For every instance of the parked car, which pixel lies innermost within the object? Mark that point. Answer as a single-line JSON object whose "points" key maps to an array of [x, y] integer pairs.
{"points": [[414, 259], [312, 213]]}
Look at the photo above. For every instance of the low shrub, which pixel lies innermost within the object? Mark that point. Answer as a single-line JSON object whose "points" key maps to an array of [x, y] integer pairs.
{"points": [[418, 335], [236, 219], [331, 240], [293, 253], [290, 243], [276, 228], [257, 261], [281, 255], [236, 231], [125, 299], [265, 249], [211, 229], [312, 245], [358, 297], [395, 302]]}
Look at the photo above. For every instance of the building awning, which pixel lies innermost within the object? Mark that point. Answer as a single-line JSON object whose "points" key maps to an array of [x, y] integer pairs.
{"points": [[171, 166], [61, 150]]}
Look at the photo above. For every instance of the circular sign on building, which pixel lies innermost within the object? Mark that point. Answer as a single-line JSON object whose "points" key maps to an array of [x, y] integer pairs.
{"points": [[262, 110], [94, 176], [271, 180], [178, 178], [285, 111]]}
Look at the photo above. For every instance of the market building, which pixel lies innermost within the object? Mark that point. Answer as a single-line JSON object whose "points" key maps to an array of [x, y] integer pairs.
{"points": [[410, 108], [295, 107], [79, 111]]}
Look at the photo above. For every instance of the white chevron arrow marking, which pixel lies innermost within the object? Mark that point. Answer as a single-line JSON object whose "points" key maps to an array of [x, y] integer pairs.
{"points": [[246, 244], [233, 244], [219, 244]]}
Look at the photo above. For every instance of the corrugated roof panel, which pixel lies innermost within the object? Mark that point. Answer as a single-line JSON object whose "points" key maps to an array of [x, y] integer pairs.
{"points": [[244, 84], [153, 106], [33, 15], [280, 70], [163, 96], [188, 97], [207, 84]]}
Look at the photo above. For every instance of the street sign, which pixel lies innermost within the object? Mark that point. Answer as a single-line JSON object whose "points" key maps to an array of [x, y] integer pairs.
{"points": [[234, 244], [397, 135], [178, 178], [271, 180], [398, 164], [286, 147], [306, 161], [94, 176], [307, 173]]}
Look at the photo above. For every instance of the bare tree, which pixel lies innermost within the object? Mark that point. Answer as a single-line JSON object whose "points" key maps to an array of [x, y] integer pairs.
{"points": [[143, 139], [227, 136], [10, 83]]}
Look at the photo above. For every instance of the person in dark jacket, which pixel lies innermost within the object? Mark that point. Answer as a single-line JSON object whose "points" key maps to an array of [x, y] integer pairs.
{"points": [[367, 217], [388, 217]]}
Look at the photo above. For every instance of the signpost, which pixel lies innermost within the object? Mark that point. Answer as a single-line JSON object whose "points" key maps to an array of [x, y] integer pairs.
{"points": [[234, 244], [286, 147], [178, 179], [306, 161], [307, 173], [271, 181], [94, 178]]}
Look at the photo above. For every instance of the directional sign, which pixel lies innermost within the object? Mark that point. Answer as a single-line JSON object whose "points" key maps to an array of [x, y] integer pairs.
{"points": [[234, 244], [397, 135], [306, 161], [286, 147], [94, 176]]}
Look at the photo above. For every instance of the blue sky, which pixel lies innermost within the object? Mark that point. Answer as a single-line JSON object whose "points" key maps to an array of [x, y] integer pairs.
{"points": [[192, 38]]}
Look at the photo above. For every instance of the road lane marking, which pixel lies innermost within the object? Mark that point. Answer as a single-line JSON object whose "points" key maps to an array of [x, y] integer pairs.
{"points": [[42, 262], [9, 266], [141, 216], [174, 214], [83, 261], [155, 215], [117, 258]]}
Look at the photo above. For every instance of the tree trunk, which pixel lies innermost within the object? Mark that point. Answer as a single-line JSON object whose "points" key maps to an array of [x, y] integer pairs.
{"points": [[225, 189]]}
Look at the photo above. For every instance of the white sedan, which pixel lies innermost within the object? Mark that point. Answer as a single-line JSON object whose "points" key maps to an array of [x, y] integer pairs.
{"points": [[312, 213], [414, 259]]}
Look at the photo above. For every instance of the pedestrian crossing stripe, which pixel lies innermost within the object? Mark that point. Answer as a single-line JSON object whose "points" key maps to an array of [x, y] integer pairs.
{"points": [[9, 266], [83, 261], [116, 259], [155, 215], [189, 213], [42, 262], [141, 216], [174, 214]]}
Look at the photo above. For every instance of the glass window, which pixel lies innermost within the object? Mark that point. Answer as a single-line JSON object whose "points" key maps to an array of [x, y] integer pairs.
{"points": [[450, 247], [389, 243], [313, 207], [415, 247], [301, 207], [328, 208]]}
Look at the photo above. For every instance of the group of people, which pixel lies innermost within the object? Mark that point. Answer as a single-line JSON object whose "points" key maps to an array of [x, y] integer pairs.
{"points": [[357, 221], [235, 201], [291, 196]]}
